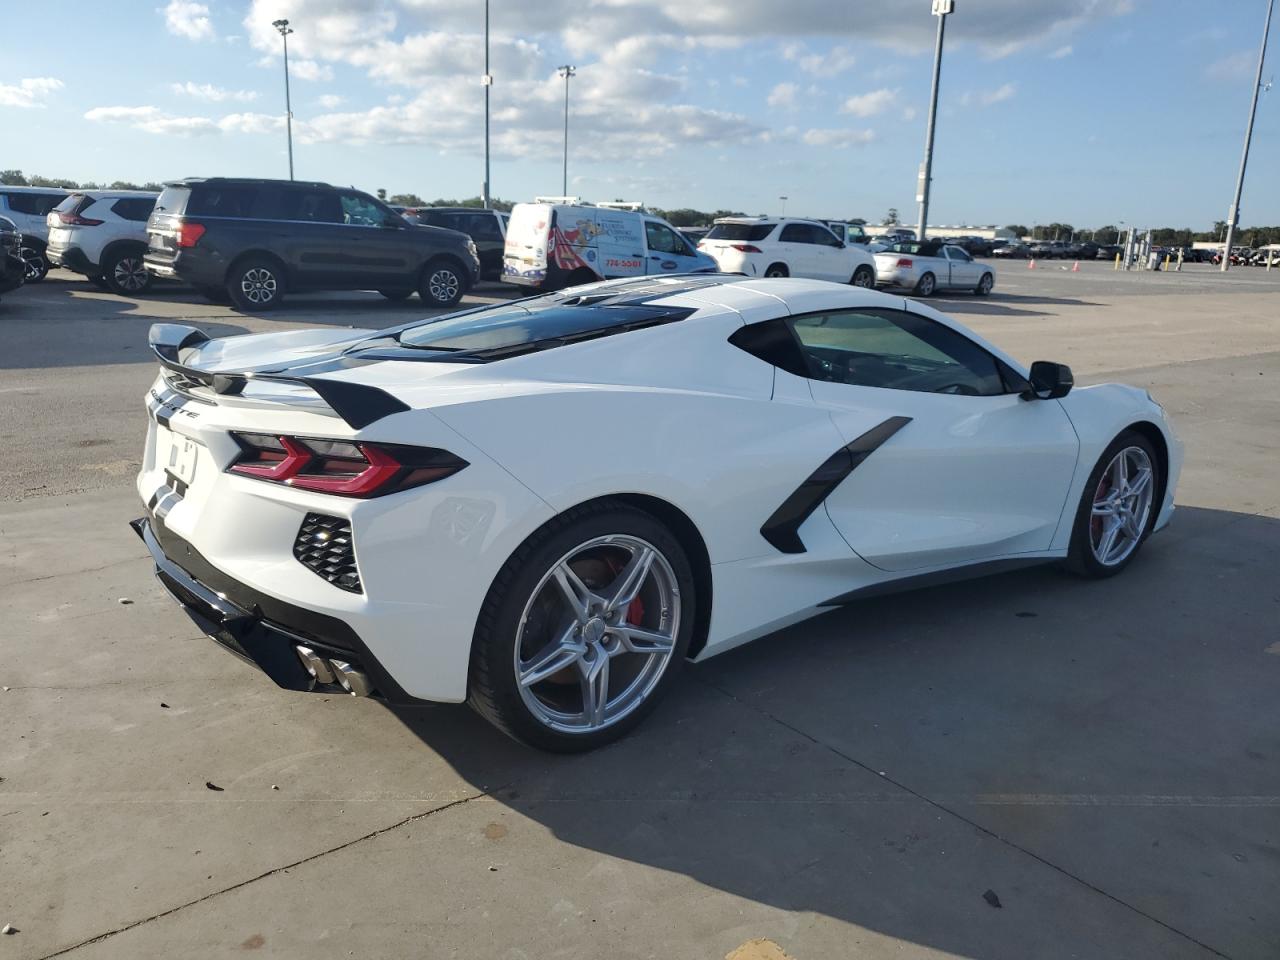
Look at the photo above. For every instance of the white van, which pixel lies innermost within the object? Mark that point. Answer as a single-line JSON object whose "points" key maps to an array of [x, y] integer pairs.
{"points": [[558, 242]]}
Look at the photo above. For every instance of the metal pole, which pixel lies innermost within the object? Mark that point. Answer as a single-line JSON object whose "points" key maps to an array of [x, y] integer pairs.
{"points": [[1233, 215], [283, 27], [784, 205], [941, 8], [566, 71], [488, 82]]}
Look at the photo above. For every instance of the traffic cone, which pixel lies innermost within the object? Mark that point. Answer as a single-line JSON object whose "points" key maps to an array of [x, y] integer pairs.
{"points": [[1075, 267], [1031, 264]]}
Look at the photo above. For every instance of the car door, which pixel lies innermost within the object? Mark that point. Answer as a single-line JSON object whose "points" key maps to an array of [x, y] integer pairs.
{"points": [[668, 252], [308, 228], [801, 254], [964, 271], [833, 259], [959, 468], [378, 255]]}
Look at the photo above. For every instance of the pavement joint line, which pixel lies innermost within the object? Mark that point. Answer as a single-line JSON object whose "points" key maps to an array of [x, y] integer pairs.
{"points": [[986, 831], [72, 573], [268, 873]]}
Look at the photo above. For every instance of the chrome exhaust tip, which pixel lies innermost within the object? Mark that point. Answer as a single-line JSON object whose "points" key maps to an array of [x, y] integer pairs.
{"points": [[316, 665], [352, 680]]}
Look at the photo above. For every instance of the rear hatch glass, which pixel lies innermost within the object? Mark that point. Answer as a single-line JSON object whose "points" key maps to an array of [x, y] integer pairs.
{"points": [[740, 232], [161, 227]]}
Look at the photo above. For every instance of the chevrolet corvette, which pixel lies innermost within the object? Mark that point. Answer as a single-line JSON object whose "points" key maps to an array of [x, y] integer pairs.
{"points": [[545, 507]]}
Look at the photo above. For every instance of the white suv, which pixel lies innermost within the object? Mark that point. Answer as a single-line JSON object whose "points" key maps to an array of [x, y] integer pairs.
{"points": [[103, 234], [28, 207], [785, 247]]}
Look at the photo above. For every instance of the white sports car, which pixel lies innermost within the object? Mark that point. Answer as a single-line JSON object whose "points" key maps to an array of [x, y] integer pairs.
{"points": [[544, 507]]}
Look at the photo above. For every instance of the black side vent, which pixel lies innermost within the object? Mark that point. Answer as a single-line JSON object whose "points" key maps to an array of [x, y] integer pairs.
{"points": [[324, 545]]}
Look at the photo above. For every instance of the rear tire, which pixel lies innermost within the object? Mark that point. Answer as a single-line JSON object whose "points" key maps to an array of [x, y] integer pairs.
{"points": [[255, 284], [527, 616], [926, 285], [1104, 499], [37, 264], [442, 283], [776, 270], [125, 274], [864, 276]]}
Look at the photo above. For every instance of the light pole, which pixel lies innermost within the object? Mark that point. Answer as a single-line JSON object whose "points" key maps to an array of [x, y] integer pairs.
{"points": [[941, 8], [566, 71], [1233, 215], [487, 80], [285, 30], [784, 205]]}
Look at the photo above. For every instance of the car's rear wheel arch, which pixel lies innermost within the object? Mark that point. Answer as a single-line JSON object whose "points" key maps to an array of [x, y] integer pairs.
{"points": [[777, 270], [271, 258]]}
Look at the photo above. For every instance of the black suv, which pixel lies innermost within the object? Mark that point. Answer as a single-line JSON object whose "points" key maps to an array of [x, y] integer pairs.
{"points": [[255, 240], [13, 268], [488, 228]]}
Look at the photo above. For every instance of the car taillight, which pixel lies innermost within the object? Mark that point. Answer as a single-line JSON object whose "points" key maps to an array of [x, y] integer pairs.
{"points": [[904, 262], [342, 467], [75, 220], [745, 247], [189, 234]]}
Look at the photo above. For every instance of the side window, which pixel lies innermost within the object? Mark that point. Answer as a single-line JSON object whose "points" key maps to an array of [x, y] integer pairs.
{"points": [[482, 226], [956, 253], [35, 204], [207, 201], [824, 237], [794, 233], [313, 206], [360, 211], [133, 208], [895, 350], [662, 239]]}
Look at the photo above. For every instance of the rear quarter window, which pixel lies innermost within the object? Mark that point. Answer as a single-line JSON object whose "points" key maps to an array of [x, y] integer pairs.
{"points": [[133, 208], [206, 201]]}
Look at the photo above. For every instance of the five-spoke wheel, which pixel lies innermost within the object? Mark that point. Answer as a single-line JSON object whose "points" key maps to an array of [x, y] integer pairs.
{"points": [[1118, 507]]}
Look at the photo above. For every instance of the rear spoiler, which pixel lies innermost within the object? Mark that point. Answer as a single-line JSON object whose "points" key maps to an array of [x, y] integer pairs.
{"points": [[356, 403]]}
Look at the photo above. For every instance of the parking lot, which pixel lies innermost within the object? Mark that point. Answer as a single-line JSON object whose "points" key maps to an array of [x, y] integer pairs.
{"points": [[1024, 766]]}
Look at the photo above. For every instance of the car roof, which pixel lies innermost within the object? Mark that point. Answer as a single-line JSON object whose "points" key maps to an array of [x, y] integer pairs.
{"points": [[114, 194], [6, 188], [256, 181]]}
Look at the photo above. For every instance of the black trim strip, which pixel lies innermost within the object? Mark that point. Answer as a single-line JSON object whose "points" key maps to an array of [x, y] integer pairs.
{"points": [[915, 581], [781, 529]]}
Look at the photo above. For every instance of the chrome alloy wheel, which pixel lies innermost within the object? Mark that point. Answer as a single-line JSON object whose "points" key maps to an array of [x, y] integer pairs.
{"points": [[1121, 506], [130, 274], [34, 264], [259, 285], [443, 285], [597, 634]]}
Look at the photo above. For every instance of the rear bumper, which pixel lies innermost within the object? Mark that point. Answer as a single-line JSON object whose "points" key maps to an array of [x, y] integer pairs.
{"points": [[201, 270], [72, 258], [262, 630]]}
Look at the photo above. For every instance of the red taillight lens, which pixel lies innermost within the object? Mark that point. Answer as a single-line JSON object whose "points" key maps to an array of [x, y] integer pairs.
{"points": [[904, 262], [341, 467], [75, 220], [745, 247], [189, 234]]}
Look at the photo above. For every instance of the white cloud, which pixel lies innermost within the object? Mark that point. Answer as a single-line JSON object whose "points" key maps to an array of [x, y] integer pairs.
{"points": [[310, 70], [837, 60], [837, 137], [207, 91], [1235, 66], [1064, 51], [153, 120], [1003, 92], [869, 104], [185, 18], [330, 101], [783, 95], [908, 113], [29, 92]]}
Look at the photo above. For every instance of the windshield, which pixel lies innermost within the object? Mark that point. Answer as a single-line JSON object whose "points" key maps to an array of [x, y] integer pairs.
{"points": [[740, 231]]}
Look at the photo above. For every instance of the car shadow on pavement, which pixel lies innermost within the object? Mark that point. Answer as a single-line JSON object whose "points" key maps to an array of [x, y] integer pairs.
{"points": [[1003, 304], [1100, 756]]}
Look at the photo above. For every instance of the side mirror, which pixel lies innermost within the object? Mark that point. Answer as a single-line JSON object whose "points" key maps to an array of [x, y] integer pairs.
{"points": [[1049, 381]]}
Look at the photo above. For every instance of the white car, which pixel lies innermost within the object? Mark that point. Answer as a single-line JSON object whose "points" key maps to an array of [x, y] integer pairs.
{"points": [[783, 247], [103, 235], [544, 507], [932, 265], [28, 208]]}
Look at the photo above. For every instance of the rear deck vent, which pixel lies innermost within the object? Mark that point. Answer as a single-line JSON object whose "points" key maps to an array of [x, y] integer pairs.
{"points": [[324, 545]]}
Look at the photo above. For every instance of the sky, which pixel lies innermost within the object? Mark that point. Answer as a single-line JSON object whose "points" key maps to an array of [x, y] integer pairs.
{"points": [[1080, 111]]}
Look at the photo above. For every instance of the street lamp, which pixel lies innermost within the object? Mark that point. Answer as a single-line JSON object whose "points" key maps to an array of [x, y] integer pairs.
{"points": [[487, 81], [566, 71], [941, 9], [285, 30], [1233, 215], [784, 205]]}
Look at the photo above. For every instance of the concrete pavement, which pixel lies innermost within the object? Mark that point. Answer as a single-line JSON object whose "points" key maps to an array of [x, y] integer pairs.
{"points": [[1103, 758]]}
